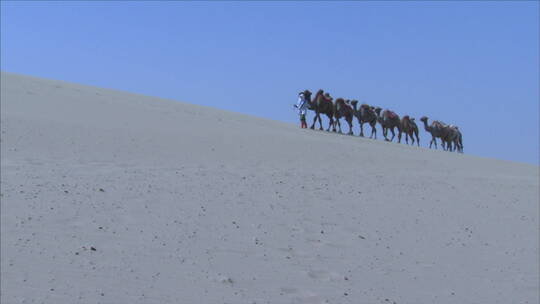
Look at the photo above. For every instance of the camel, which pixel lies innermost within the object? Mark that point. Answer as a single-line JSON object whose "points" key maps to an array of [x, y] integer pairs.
{"points": [[365, 114], [436, 129], [409, 127], [453, 136], [388, 121], [458, 140], [322, 103], [342, 108]]}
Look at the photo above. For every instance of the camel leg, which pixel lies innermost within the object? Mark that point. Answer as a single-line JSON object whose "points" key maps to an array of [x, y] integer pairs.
{"points": [[399, 136], [374, 130], [350, 126], [314, 121], [361, 129], [393, 134], [407, 139], [332, 123], [320, 122], [339, 125], [417, 139]]}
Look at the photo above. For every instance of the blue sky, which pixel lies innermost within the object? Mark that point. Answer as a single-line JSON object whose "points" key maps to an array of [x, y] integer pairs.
{"points": [[474, 64]]}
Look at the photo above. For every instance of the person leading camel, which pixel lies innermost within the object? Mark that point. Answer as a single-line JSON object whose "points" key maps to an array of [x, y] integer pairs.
{"points": [[301, 105]]}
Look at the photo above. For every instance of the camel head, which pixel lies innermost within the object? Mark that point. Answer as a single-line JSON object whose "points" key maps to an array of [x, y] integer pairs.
{"points": [[406, 117], [378, 110], [354, 103], [412, 119], [423, 118], [307, 95]]}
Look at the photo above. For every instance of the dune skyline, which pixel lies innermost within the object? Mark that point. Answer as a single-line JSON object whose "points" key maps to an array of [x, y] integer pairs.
{"points": [[474, 65], [424, 135]]}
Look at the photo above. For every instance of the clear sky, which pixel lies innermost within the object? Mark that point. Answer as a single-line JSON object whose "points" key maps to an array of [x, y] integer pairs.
{"points": [[473, 64]]}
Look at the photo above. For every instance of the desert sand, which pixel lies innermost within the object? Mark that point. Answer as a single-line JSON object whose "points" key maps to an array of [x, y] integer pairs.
{"points": [[112, 197]]}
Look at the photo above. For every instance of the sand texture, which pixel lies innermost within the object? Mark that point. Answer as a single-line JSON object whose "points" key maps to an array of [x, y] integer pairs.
{"points": [[112, 197]]}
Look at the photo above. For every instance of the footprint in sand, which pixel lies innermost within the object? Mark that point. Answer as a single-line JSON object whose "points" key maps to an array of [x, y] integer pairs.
{"points": [[309, 298], [288, 290], [324, 275]]}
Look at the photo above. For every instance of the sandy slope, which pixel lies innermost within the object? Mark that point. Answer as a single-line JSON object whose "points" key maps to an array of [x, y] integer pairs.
{"points": [[188, 204]]}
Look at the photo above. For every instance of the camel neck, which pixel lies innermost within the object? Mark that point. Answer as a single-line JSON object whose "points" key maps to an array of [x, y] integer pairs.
{"points": [[426, 126]]}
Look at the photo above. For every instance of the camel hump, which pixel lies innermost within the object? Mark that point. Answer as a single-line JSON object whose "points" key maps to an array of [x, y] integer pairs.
{"points": [[391, 114], [438, 124]]}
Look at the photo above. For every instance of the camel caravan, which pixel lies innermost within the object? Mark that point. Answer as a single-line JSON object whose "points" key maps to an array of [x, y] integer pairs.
{"points": [[323, 104]]}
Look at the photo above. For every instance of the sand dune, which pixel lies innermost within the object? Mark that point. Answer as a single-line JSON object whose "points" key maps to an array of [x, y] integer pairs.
{"points": [[111, 197]]}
